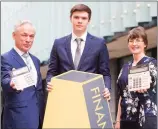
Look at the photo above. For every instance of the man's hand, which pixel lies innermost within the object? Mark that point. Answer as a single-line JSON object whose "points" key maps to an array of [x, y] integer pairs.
{"points": [[12, 85], [49, 87], [106, 94]]}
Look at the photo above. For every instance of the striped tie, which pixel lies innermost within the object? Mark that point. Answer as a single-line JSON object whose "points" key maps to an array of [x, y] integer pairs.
{"points": [[26, 56], [78, 52]]}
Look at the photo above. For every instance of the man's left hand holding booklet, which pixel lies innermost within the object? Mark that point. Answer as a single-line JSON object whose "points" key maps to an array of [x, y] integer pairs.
{"points": [[22, 78]]}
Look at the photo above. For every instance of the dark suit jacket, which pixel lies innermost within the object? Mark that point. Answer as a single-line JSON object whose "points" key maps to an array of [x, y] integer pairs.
{"points": [[94, 59], [21, 109]]}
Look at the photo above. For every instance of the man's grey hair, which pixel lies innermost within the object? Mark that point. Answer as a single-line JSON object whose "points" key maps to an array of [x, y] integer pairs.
{"points": [[21, 23]]}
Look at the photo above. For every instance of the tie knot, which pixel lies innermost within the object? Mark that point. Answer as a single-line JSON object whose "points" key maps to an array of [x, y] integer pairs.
{"points": [[78, 40], [25, 55]]}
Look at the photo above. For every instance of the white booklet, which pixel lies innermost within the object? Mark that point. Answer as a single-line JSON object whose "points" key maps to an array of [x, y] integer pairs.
{"points": [[22, 78]]}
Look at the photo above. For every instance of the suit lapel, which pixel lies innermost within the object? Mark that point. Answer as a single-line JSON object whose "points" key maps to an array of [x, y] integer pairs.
{"points": [[68, 49], [17, 57], [86, 49]]}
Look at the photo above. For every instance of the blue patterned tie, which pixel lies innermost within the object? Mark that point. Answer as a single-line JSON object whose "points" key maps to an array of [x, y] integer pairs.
{"points": [[26, 56]]}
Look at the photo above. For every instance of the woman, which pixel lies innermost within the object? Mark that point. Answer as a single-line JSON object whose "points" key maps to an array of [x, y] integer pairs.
{"points": [[137, 109]]}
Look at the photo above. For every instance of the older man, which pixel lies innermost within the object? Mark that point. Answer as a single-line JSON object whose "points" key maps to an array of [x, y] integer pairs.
{"points": [[22, 109]]}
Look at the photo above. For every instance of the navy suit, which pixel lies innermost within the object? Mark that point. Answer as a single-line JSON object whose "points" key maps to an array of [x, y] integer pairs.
{"points": [[94, 59], [21, 109]]}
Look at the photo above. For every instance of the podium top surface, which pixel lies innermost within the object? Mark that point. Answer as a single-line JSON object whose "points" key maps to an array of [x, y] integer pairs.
{"points": [[77, 76]]}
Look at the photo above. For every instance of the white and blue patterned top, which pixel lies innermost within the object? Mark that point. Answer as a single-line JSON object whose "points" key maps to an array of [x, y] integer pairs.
{"points": [[137, 106]]}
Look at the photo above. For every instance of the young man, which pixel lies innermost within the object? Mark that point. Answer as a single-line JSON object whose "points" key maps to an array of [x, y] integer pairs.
{"points": [[80, 50], [23, 109]]}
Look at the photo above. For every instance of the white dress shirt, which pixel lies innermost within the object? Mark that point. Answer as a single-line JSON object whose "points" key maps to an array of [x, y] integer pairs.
{"points": [[33, 69], [74, 43]]}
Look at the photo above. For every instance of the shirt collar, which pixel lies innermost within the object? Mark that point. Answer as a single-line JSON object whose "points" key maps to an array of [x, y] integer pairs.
{"points": [[83, 37], [19, 51]]}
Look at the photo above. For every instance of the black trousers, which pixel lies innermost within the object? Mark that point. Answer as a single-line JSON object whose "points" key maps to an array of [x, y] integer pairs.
{"points": [[150, 122], [129, 125]]}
